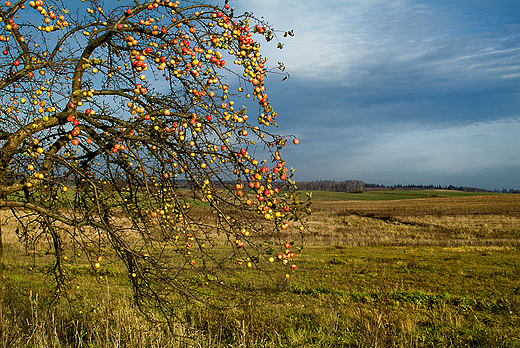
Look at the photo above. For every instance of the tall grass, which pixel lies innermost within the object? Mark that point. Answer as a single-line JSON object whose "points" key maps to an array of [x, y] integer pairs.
{"points": [[415, 273]]}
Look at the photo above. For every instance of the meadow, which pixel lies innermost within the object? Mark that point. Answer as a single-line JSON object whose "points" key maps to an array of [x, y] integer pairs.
{"points": [[378, 269]]}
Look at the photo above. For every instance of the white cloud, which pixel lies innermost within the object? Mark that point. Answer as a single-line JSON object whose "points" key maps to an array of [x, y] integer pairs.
{"points": [[349, 42], [330, 37], [413, 154], [407, 152], [511, 76]]}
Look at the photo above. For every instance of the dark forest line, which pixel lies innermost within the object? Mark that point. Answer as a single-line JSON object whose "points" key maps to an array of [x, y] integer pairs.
{"points": [[353, 186]]}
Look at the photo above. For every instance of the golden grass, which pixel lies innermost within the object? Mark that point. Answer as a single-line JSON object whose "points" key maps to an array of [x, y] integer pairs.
{"points": [[475, 220], [485, 204]]}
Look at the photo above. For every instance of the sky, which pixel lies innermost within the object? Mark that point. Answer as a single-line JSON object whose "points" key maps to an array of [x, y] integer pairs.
{"points": [[398, 91]]}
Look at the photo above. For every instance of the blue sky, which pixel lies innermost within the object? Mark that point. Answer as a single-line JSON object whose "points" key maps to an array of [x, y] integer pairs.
{"points": [[410, 92]]}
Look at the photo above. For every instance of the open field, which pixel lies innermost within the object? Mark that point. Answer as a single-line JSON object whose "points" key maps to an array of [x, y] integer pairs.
{"points": [[480, 220], [390, 195], [440, 271]]}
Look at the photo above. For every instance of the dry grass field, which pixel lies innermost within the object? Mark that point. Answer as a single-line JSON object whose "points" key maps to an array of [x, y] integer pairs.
{"points": [[487, 220], [440, 271]]}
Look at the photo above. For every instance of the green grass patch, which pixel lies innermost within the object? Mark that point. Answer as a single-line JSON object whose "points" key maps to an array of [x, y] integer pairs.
{"points": [[390, 195], [338, 297]]}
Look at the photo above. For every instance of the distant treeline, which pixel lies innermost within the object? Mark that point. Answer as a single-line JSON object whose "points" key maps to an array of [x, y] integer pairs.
{"points": [[360, 186], [332, 185], [424, 187]]}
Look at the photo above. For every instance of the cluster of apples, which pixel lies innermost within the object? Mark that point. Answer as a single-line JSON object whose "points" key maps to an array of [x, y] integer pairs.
{"points": [[75, 131], [11, 25], [50, 16], [138, 60]]}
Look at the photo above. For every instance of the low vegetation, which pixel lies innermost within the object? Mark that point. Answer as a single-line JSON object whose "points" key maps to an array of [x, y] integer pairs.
{"points": [[439, 270]]}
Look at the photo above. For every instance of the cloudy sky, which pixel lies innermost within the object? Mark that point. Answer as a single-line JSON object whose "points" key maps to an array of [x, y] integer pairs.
{"points": [[399, 91]]}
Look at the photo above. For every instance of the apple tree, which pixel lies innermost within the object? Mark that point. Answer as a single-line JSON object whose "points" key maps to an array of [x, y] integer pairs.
{"points": [[140, 131]]}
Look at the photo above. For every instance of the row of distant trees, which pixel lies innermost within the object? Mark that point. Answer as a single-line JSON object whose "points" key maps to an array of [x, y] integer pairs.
{"points": [[424, 187], [332, 185], [360, 186]]}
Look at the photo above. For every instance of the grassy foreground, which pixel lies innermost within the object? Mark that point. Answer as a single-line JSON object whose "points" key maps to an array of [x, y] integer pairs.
{"points": [[428, 272]]}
